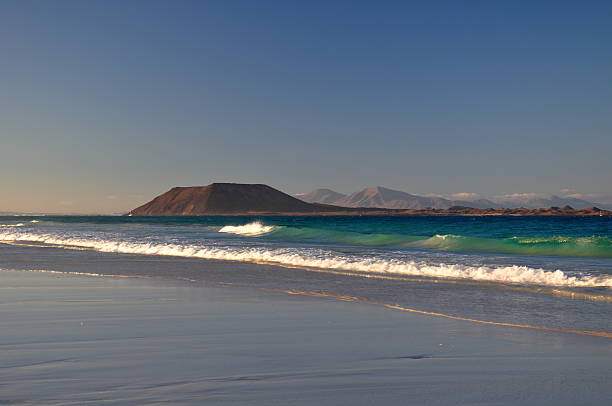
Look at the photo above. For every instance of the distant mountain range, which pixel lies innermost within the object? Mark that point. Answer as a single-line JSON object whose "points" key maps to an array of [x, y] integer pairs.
{"points": [[258, 199], [381, 197], [536, 202], [324, 196]]}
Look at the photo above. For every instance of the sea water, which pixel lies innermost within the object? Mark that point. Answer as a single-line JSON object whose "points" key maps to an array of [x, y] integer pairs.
{"points": [[553, 272]]}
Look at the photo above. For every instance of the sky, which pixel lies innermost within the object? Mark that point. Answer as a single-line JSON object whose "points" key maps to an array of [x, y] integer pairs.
{"points": [[106, 104]]}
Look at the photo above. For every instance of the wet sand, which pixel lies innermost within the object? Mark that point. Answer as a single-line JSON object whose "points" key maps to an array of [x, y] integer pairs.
{"points": [[75, 340]]}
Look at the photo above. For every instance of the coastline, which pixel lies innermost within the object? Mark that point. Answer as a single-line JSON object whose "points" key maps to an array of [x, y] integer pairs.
{"points": [[604, 213], [398, 212]]}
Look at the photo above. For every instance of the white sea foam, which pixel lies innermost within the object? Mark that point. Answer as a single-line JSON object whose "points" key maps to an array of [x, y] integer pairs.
{"points": [[12, 225], [251, 229], [302, 257], [34, 221]]}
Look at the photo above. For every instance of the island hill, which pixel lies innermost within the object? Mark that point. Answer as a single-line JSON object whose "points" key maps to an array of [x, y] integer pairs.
{"points": [[258, 199]]}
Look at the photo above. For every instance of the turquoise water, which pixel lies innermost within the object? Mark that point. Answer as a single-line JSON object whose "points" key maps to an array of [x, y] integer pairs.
{"points": [[584, 246], [562, 236]]}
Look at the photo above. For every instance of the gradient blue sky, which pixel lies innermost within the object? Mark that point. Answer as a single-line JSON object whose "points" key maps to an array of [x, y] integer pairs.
{"points": [[108, 103]]}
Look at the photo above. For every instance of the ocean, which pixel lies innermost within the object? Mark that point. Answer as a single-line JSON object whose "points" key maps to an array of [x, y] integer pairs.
{"points": [[533, 272]]}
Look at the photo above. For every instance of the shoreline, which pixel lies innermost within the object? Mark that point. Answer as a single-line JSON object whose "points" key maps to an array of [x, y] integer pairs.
{"points": [[569, 291], [314, 282], [313, 294]]}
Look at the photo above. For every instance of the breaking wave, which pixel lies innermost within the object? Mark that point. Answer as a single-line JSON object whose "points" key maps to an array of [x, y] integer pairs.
{"points": [[599, 247], [251, 229], [317, 258]]}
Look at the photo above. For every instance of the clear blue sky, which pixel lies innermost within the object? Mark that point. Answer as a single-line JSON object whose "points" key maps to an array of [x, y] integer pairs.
{"points": [[108, 103]]}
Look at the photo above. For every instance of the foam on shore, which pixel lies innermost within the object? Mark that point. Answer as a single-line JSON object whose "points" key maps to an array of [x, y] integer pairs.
{"points": [[318, 258]]}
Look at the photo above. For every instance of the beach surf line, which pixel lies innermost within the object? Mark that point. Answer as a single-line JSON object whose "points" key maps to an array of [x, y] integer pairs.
{"points": [[354, 299], [425, 279], [604, 334]]}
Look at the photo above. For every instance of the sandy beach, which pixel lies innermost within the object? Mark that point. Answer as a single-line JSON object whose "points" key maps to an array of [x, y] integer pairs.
{"points": [[76, 339]]}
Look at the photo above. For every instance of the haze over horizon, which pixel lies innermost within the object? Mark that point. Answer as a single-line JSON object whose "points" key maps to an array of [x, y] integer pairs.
{"points": [[108, 104]]}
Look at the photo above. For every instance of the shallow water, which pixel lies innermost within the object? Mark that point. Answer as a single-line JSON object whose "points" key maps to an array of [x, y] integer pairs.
{"points": [[74, 340]]}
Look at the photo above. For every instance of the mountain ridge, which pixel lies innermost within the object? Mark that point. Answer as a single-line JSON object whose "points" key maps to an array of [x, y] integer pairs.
{"points": [[382, 197], [385, 198], [323, 195]]}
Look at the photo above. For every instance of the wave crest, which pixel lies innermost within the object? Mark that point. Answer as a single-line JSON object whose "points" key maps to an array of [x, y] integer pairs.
{"points": [[252, 229], [595, 246], [311, 258]]}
